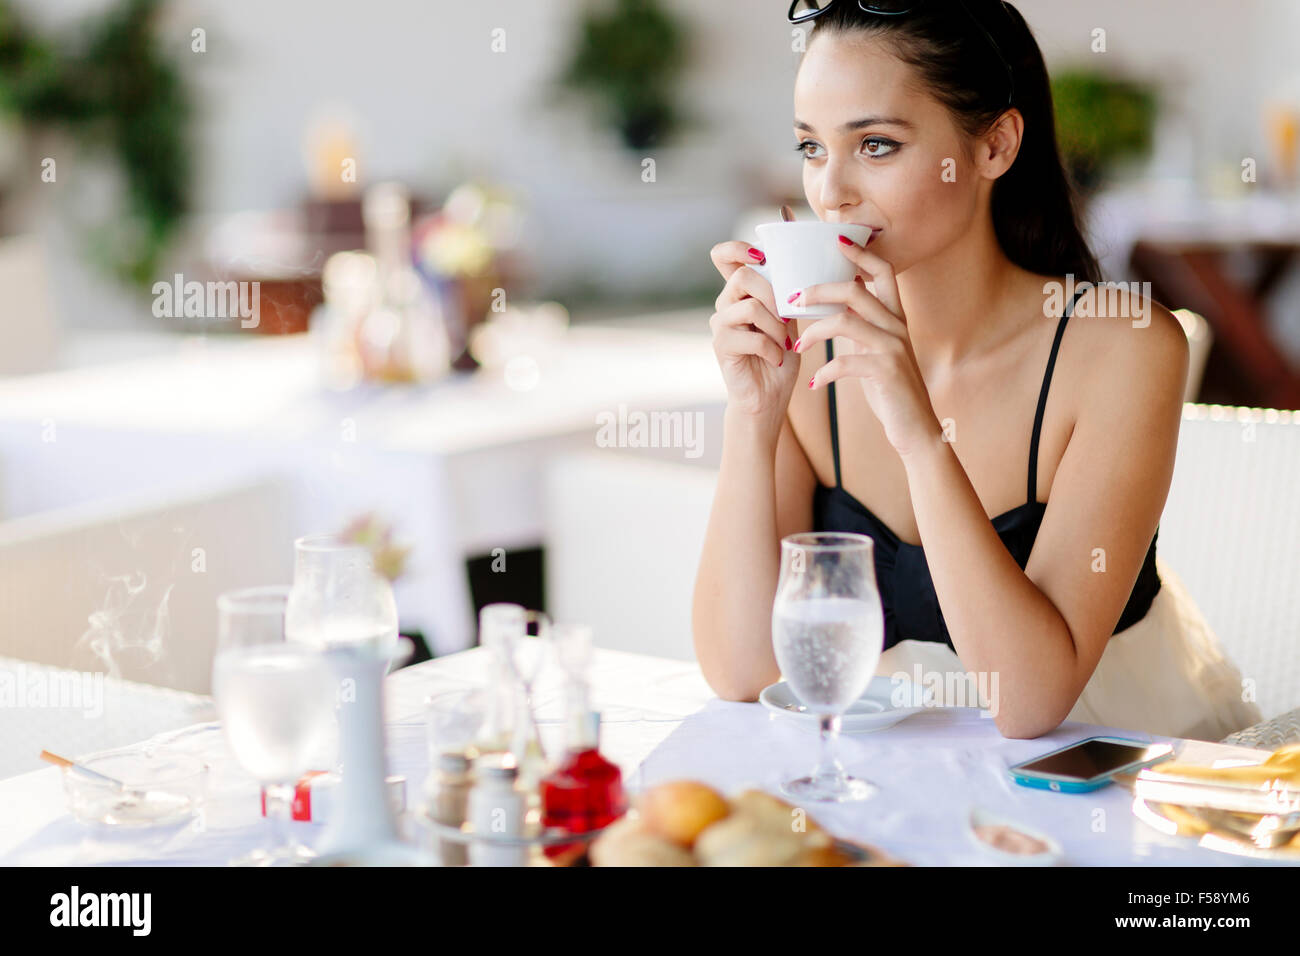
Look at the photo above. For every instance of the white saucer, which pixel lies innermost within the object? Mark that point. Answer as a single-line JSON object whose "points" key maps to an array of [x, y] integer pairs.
{"points": [[874, 710]]}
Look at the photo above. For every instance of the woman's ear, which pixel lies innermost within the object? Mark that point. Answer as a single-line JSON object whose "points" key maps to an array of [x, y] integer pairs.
{"points": [[997, 149]]}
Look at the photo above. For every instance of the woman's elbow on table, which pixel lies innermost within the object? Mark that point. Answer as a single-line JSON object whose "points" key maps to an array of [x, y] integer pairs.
{"points": [[1020, 724], [724, 680], [733, 690]]}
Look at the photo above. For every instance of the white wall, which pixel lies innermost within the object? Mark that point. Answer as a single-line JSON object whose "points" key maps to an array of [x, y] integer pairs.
{"points": [[436, 103]]}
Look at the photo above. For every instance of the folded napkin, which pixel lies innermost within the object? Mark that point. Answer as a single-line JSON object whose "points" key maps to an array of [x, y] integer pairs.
{"points": [[1281, 769]]}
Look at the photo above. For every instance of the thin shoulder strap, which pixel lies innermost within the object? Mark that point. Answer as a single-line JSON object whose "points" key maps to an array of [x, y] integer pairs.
{"points": [[1042, 396], [835, 428]]}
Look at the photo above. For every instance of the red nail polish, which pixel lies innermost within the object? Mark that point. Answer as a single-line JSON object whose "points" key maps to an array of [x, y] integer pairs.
{"points": [[780, 363], [846, 240], [796, 343], [787, 343], [794, 295], [757, 256], [810, 383]]}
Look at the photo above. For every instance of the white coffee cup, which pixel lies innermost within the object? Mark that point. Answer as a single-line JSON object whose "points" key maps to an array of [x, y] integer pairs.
{"points": [[802, 254]]}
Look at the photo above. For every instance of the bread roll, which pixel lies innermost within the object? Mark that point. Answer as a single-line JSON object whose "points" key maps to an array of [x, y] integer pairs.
{"points": [[627, 842], [680, 810], [742, 839], [828, 855], [776, 814]]}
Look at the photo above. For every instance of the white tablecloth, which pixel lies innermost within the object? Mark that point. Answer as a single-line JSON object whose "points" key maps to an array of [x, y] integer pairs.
{"points": [[661, 723], [72, 712]]}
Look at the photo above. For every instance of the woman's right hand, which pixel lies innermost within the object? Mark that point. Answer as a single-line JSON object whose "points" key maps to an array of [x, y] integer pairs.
{"points": [[750, 339]]}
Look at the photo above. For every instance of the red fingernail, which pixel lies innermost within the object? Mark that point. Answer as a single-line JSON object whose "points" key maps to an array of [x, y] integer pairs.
{"points": [[796, 343], [794, 295], [780, 363], [757, 256], [810, 383], [846, 240], [787, 343]]}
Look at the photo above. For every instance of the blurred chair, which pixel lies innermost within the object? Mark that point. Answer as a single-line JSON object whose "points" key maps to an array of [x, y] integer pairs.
{"points": [[29, 338], [1231, 530], [624, 529], [136, 581], [1199, 340], [1269, 734]]}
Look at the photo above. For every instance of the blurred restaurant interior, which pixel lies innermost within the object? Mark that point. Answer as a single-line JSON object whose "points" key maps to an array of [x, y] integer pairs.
{"points": [[198, 198]]}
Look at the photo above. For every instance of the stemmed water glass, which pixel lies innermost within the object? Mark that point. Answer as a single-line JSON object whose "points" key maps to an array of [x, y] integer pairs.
{"points": [[276, 703], [338, 599], [828, 632]]}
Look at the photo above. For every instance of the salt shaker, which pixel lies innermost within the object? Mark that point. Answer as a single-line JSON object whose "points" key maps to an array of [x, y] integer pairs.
{"points": [[449, 788], [496, 809]]}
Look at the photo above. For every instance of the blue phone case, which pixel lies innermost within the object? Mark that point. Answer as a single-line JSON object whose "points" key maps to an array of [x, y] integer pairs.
{"points": [[1061, 785]]}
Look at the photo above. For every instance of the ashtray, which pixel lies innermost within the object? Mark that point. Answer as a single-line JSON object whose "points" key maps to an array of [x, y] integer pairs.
{"points": [[135, 788]]}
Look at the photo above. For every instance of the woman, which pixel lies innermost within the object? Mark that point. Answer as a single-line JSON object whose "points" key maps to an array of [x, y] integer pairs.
{"points": [[956, 388]]}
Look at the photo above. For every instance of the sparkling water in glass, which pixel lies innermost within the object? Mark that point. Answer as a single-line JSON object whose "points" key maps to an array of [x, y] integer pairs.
{"points": [[827, 633], [277, 707], [275, 701]]}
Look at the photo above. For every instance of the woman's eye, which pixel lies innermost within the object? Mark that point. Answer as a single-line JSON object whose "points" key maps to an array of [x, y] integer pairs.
{"points": [[888, 144], [878, 147]]}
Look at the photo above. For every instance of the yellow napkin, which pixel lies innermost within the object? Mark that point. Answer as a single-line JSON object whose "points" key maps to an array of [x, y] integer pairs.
{"points": [[1281, 767]]}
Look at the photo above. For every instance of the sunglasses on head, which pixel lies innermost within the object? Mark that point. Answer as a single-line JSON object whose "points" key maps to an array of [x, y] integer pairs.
{"points": [[801, 11]]}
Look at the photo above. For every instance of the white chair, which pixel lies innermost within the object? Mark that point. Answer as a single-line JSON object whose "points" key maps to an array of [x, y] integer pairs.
{"points": [[1200, 338], [29, 340], [129, 586], [1231, 530]]}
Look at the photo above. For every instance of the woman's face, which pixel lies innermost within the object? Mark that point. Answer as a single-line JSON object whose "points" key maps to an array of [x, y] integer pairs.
{"points": [[905, 171]]}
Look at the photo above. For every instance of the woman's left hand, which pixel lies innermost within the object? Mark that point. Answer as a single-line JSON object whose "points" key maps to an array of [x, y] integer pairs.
{"points": [[881, 355]]}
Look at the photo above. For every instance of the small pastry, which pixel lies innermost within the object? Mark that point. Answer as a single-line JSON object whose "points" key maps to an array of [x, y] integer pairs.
{"points": [[679, 811], [743, 840], [626, 842]]}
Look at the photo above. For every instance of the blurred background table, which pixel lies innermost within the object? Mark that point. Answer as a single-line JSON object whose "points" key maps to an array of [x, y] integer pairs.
{"points": [[246, 421], [1222, 259]]}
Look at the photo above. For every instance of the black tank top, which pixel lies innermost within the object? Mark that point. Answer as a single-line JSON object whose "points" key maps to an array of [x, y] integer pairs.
{"points": [[906, 590]]}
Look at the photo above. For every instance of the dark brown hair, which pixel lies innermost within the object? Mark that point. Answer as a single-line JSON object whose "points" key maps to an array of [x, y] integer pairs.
{"points": [[1034, 205]]}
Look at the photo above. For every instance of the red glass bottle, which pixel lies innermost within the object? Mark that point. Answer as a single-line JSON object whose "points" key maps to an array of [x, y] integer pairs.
{"points": [[585, 792]]}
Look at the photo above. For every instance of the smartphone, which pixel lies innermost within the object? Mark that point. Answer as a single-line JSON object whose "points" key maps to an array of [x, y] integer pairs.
{"points": [[1088, 764]]}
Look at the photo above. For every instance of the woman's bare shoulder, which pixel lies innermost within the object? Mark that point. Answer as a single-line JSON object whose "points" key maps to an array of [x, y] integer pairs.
{"points": [[1133, 344]]}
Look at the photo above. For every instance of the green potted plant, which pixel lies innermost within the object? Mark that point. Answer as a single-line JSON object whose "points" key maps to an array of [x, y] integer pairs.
{"points": [[115, 93], [628, 59], [1100, 120]]}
